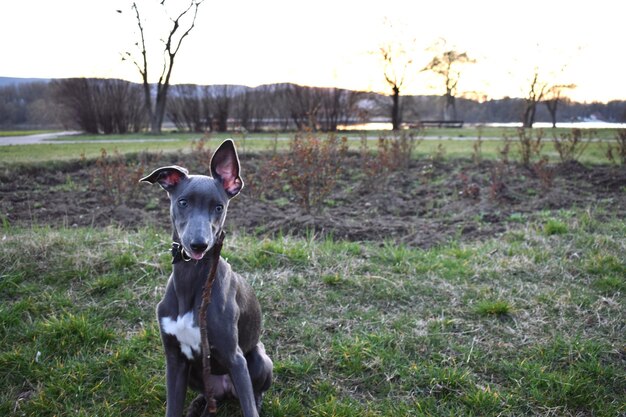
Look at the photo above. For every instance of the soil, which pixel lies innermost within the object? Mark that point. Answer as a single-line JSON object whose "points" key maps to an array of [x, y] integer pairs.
{"points": [[423, 205]]}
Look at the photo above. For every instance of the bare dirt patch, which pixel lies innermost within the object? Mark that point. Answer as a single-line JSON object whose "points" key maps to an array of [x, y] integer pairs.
{"points": [[423, 205]]}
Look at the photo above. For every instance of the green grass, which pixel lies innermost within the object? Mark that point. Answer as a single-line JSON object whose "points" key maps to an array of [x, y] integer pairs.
{"points": [[23, 132], [90, 146], [516, 326]]}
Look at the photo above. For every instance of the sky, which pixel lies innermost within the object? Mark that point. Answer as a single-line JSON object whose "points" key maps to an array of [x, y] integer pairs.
{"points": [[331, 43]]}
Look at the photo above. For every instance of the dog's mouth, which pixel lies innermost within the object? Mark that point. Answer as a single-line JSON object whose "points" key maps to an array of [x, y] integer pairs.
{"points": [[196, 256], [188, 255]]}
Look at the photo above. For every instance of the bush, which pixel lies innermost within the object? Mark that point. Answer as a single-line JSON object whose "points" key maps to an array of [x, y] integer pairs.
{"points": [[311, 167], [529, 147], [617, 153], [570, 146]]}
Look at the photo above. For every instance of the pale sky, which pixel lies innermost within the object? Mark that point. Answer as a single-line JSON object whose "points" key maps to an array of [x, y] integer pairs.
{"points": [[332, 42]]}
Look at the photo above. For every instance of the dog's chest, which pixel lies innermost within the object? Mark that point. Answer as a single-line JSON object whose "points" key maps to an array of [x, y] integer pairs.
{"points": [[186, 331]]}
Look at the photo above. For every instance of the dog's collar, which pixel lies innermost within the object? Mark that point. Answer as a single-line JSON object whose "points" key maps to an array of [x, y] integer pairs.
{"points": [[178, 253]]}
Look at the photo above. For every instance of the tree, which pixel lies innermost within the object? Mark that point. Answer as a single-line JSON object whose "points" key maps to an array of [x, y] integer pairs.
{"points": [[338, 106], [553, 97], [77, 95], [397, 53], [396, 63], [189, 108], [221, 98], [304, 105], [446, 65], [535, 94], [100, 105], [179, 29]]}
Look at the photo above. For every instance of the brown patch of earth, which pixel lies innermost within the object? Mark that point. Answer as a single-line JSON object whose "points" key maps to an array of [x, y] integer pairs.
{"points": [[427, 204]]}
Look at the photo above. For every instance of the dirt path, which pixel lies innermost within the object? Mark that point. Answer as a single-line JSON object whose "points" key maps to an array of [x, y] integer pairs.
{"points": [[34, 139]]}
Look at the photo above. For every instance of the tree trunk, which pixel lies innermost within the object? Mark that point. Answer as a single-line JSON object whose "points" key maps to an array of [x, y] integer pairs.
{"points": [[396, 119], [552, 105], [449, 107], [529, 115]]}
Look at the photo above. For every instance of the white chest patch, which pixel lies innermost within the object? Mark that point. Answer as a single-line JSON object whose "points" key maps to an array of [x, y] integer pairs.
{"points": [[187, 333]]}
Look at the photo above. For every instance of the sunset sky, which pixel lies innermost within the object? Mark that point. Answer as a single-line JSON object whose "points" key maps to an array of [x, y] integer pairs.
{"points": [[332, 42]]}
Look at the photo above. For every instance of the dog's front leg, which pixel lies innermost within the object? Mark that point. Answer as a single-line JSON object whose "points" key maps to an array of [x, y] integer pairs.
{"points": [[177, 376], [243, 385]]}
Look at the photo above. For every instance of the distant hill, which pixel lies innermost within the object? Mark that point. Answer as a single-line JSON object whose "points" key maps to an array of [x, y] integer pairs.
{"points": [[16, 80]]}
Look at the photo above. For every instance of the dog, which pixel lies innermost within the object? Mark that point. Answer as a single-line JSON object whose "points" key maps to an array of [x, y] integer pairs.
{"points": [[240, 367]]}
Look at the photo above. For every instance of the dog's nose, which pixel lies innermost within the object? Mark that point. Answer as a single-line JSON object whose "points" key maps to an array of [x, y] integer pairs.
{"points": [[198, 247]]}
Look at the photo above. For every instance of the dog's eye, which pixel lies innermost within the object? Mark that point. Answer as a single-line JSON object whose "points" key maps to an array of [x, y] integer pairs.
{"points": [[219, 208], [182, 203]]}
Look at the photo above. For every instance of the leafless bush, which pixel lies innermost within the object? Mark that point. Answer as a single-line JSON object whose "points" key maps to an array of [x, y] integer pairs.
{"points": [[470, 189], [201, 153], [477, 146], [119, 178], [497, 187], [617, 153], [311, 167], [393, 153], [505, 150], [570, 146], [529, 148], [544, 172]]}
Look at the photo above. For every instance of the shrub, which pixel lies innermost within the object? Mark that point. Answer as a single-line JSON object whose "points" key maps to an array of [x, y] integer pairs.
{"points": [[570, 146], [617, 153], [477, 155], [544, 172], [117, 177], [497, 187], [529, 147], [311, 167], [393, 153]]}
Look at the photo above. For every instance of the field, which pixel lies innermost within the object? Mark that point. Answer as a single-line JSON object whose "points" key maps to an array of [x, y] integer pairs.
{"points": [[452, 283]]}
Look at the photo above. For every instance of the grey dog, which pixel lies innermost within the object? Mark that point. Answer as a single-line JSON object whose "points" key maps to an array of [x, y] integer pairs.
{"points": [[240, 367]]}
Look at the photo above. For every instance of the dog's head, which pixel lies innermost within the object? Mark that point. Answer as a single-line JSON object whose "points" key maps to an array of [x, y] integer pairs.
{"points": [[198, 203]]}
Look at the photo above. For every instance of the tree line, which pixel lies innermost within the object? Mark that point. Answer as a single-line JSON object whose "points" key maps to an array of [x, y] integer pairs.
{"points": [[117, 106]]}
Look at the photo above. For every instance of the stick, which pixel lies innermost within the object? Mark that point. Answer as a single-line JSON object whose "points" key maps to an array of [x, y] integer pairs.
{"points": [[211, 407]]}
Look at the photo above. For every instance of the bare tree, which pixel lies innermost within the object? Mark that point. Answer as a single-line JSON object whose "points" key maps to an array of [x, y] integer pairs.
{"points": [[446, 66], [189, 108], [396, 53], [221, 100], [77, 96], [338, 106], [396, 63], [180, 27], [101, 105], [553, 97], [534, 96], [304, 104]]}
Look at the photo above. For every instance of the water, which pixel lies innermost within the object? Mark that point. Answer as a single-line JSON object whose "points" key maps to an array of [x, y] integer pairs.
{"points": [[593, 124]]}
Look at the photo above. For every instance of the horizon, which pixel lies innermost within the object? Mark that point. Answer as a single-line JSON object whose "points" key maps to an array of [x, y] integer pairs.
{"points": [[334, 46]]}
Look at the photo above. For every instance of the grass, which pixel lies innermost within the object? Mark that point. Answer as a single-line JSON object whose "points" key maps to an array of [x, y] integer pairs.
{"points": [[23, 132], [516, 326], [90, 146]]}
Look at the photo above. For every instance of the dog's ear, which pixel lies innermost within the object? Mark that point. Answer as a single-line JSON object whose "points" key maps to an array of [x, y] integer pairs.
{"points": [[225, 168], [167, 177]]}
